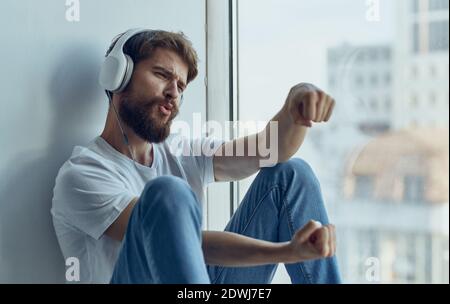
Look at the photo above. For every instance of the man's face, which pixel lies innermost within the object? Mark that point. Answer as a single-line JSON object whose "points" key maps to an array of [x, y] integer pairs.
{"points": [[151, 100]]}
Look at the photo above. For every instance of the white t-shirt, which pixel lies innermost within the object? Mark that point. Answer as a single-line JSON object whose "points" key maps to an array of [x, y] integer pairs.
{"points": [[96, 184]]}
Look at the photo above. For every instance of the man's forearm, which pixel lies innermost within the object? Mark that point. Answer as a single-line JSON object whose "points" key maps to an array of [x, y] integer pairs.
{"points": [[231, 249], [273, 146], [290, 135], [280, 139]]}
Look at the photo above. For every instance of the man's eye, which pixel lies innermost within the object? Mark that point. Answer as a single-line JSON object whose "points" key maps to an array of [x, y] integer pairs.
{"points": [[161, 75]]}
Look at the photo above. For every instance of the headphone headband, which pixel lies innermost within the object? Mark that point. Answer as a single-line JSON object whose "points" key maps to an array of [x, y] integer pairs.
{"points": [[120, 43], [117, 67]]}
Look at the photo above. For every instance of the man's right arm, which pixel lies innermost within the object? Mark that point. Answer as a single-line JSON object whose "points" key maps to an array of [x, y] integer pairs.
{"points": [[117, 229], [312, 241], [230, 249]]}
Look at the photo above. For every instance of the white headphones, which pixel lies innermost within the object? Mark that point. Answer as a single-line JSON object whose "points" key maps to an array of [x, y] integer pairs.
{"points": [[117, 68], [116, 72]]}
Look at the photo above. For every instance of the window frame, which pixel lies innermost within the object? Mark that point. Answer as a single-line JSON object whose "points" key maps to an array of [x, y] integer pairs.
{"points": [[222, 95]]}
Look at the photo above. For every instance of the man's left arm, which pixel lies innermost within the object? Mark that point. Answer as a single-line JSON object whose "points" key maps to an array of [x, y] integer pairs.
{"points": [[280, 139]]}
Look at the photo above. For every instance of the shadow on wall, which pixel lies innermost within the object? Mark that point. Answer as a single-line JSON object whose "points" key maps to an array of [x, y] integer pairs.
{"points": [[29, 251]]}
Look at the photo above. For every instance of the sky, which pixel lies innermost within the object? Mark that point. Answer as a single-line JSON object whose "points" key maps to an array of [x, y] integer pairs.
{"points": [[284, 42]]}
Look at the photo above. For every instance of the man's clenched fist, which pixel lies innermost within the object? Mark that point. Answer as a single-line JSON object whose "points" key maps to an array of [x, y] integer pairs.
{"points": [[311, 242], [306, 104]]}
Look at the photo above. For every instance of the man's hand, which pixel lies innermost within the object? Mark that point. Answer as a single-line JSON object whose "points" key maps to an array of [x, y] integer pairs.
{"points": [[306, 104], [311, 242]]}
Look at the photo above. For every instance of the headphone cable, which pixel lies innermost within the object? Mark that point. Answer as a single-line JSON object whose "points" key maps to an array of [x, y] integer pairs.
{"points": [[125, 137]]}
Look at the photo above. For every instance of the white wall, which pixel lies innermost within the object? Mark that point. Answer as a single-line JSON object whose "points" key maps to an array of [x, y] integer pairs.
{"points": [[50, 101]]}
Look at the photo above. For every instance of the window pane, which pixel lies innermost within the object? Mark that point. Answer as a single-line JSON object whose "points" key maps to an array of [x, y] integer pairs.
{"points": [[382, 160]]}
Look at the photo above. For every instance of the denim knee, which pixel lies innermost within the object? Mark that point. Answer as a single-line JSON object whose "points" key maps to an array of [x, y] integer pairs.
{"points": [[169, 194], [295, 168]]}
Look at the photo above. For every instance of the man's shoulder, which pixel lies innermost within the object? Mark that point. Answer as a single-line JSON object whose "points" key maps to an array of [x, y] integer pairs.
{"points": [[81, 157], [83, 177], [84, 162]]}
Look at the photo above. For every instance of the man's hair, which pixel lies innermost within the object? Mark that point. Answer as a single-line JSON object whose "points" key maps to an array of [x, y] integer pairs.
{"points": [[142, 46]]}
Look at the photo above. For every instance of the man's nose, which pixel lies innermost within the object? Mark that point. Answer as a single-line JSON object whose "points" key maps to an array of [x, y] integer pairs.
{"points": [[171, 91]]}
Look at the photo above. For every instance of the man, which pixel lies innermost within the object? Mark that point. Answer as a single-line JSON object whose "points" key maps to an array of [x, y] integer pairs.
{"points": [[129, 208]]}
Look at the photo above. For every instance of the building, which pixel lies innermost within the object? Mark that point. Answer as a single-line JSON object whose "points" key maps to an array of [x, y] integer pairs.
{"points": [[362, 76], [395, 209], [394, 212], [421, 64]]}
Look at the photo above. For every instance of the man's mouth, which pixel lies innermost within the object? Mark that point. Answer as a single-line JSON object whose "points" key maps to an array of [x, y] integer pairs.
{"points": [[165, 109]]}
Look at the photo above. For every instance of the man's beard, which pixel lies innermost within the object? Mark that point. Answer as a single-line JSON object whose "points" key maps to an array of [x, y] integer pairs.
{"points": [[145, 118]]}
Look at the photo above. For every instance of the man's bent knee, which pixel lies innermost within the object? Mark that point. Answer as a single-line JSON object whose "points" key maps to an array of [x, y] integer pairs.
{"points": [[295, 166], [165, 184], [169, 193]]}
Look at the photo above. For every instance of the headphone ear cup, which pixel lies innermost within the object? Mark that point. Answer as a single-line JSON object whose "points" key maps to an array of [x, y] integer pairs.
{"points": [[112, 73], [128, 73]]}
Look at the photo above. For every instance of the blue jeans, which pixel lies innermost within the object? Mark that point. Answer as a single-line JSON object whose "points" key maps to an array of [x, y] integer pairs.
{"points": [[163, 238]]}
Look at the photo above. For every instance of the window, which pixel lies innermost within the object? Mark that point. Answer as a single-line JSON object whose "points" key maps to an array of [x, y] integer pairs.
{"points": [[414, 101], [364, 187], [428, 257], [445, 260], [359, 80], [433, 71], [387, 78], [414, 72], [438, 5], [414, 187], [387, 55], [374, 80], [374, 104], [438, 37], [415, 6], [340, 51], [433, 99], [405, 263], [373, 55], [411, 256], [361, 57], [361, 103], [416, 38], [388, 103]]}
